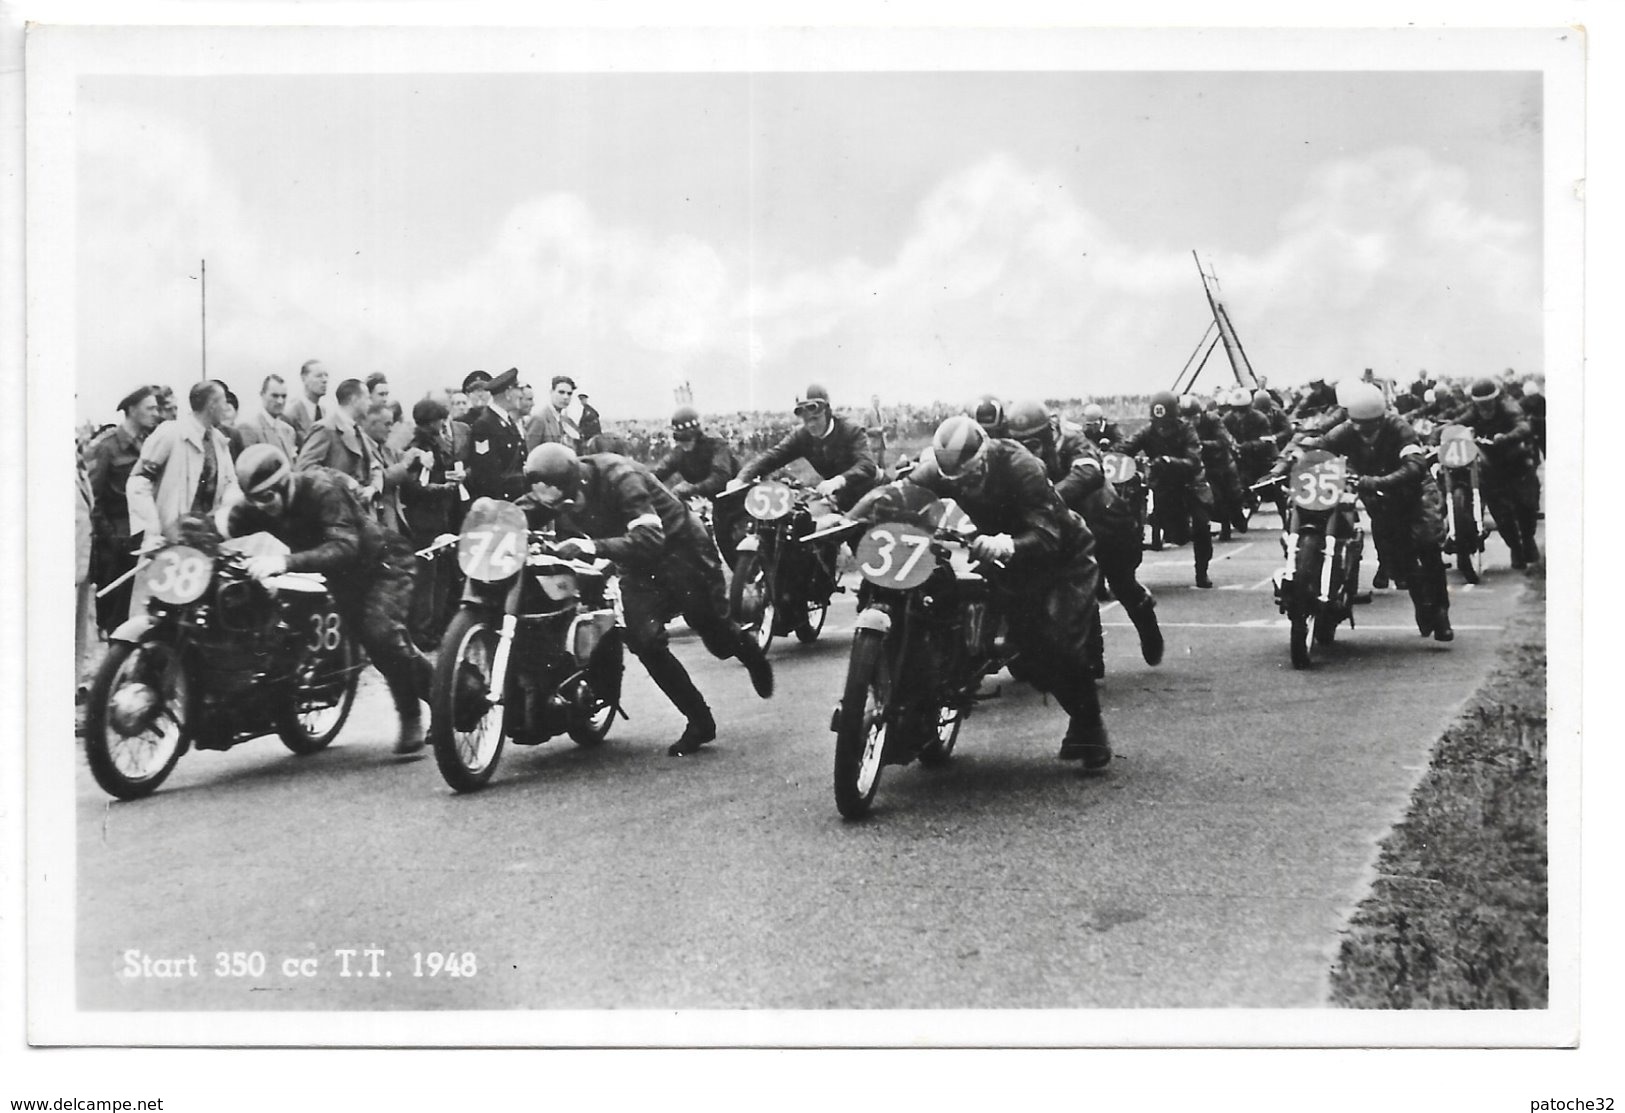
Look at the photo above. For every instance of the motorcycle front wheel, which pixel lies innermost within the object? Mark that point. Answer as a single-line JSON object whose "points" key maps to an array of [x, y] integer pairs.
{"points": [[750, 597], [1469, 540], [860, 737], [135, 721], [465, 726], [323, 694], [1306, 579]]}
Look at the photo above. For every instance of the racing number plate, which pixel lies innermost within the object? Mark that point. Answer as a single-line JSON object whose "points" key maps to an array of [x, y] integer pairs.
{"points": [[1456, 447], [896, 556], [1119, 468], [1318, 480], [492, 545], [176, 575], [768, 501]]}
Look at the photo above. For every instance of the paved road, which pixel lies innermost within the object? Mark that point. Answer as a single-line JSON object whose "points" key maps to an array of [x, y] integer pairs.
{"points": [[1212, 867]]}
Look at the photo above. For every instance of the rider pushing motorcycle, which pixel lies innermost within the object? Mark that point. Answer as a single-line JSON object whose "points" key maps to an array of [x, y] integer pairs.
{"points": [[609, 506], [1407, 518], [1049, 553], [1178, 478], [1509, 475], [1073, 465], [318, 515]]}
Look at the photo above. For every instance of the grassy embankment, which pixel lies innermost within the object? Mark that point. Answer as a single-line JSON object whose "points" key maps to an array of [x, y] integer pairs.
{"points": [[1457, 916]]}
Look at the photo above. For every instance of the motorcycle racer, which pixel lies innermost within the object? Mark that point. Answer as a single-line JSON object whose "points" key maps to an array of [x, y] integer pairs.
{"points": [[1049, 553], [318, 514], [701, 466], [1073, 464], [1178, 476], [1510, 476], [609, 506], [837, 449], [1406, 506]]}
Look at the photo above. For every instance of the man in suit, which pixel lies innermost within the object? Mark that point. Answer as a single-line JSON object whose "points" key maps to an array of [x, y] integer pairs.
{"points": [[268, 426], [305, 411], [548, 424], [392, 463], [496, 457], [185, 468], [337, 442]]}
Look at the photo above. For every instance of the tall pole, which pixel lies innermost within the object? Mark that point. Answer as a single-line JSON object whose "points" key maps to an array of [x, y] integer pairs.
{"points": [[203, 270]]}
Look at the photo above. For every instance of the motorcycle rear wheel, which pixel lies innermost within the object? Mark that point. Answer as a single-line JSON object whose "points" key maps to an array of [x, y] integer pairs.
{"points": [[132, 765], [750, 598], [461, 695], [940, 749], [860, 738], [589, 717], [310, 731]]}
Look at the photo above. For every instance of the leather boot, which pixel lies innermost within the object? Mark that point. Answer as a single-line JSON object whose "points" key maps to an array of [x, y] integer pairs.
{"points": [[1086, 741], [1144, 617], [672, 679], [756, 663], [1441, 624]]}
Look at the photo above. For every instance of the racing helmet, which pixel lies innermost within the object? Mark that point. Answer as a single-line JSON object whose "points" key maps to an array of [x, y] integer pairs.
{"points": [[1092, 412], [989, 414], [1531, 388], [554, 465], [1485, 390], [1028, 420], [685, 420], [263, 468], [1164, 406], [958, 445], [1189, 405], [1363, 401], [1262, 400]]}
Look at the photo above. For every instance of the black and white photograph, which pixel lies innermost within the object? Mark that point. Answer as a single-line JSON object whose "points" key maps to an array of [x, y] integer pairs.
{"points": [[804, 537]]}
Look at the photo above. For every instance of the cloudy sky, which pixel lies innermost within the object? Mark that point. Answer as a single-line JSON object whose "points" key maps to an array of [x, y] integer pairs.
{"points": [[919, 235]]}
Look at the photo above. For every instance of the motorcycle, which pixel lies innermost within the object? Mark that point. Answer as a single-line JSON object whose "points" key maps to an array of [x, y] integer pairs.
{"points": [[776, 583], [215, 659], [1466, 527], [535, 650], [1323, 542], [929, 628]]}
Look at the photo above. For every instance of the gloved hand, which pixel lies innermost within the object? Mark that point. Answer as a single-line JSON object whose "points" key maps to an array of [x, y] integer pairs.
{"points": [[736, 484], [574, 548], [264, 567], [682, 489], [829, 486], [993, 547], [1366, 485]]}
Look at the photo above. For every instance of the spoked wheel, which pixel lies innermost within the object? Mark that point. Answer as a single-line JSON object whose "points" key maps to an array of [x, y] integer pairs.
{"points": [[1305, 581], [816, 613], [135, 722], [1325, 628], [324, 692], [750, 597], [589, 716], [1469, 539], [465, 726], [940, 748], [860, 739]]}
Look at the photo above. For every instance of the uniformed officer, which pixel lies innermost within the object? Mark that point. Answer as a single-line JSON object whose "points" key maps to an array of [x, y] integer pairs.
{"points": [[496, 450], [609, 506]]}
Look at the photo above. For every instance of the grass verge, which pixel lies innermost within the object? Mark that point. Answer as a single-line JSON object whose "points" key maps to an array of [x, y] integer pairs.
{"points": [[1457, 916]]}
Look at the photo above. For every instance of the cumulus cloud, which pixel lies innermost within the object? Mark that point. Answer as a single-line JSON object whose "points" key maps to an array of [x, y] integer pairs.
{"points": [[1002, 280]]}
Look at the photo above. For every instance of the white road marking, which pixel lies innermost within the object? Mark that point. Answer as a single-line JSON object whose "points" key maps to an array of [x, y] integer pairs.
{"points": [[1281, 624]]}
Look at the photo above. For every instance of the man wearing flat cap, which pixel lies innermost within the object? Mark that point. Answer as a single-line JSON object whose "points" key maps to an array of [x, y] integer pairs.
{"points": [[110, 459], [496, 444]]}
